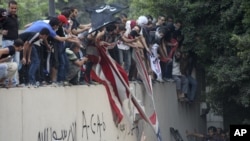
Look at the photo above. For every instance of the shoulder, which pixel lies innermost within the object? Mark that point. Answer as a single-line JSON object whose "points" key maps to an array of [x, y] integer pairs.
{"points": [[11, 50]]}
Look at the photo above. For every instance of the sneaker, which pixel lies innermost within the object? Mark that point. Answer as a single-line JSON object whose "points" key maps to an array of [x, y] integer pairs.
{"points": [[60, 84], [181, 97], [37, 84], [32, 86], [93, 83], [165, 79], [82, 83], [54, 84], [43, 84], [2, 85], [159, 80], [170, 80], [21, 85], [66, 83]]}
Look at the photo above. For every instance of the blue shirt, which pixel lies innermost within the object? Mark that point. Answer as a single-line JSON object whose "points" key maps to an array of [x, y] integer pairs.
{"points": [[38, 26]]}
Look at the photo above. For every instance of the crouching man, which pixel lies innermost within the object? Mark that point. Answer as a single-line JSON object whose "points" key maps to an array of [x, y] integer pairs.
{"points": [[75, 64], [7, 68]]}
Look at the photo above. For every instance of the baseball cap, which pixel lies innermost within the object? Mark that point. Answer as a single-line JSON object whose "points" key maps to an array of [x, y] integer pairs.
{"points": [[63, 19], [3, 12]]}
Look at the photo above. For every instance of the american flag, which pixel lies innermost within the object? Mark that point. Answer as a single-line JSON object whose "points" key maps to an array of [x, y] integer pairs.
{"points": [[115, 80], [114, 77]]}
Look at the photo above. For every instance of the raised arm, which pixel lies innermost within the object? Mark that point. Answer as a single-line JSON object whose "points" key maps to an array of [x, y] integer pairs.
{"points": [[82, 28]]}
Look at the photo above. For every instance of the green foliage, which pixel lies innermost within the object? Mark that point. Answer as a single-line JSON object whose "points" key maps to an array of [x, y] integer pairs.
{"points": [[246, 8], [31, 10]]}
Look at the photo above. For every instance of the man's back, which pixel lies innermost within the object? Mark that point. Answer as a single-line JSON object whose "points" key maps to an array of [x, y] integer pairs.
{"points": [[38, 26]]}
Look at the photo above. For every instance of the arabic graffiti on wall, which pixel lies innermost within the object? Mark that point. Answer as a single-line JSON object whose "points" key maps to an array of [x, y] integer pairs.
{"points": [[90, 125]]}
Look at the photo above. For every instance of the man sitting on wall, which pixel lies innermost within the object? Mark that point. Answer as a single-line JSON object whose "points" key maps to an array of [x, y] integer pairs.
{"points": [[75, 64], [7, 68]]}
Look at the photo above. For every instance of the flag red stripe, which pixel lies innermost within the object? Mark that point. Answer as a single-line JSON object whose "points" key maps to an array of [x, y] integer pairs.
{"points": [[109, 68], [153, 118], [115, 108]]}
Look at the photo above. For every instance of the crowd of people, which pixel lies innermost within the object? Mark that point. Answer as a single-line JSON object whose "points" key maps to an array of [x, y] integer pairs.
{"points": [[213, 134], [60, 51]]}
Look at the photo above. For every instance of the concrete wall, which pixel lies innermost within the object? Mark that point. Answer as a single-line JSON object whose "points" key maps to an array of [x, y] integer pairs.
{"points": [[82, 113]]}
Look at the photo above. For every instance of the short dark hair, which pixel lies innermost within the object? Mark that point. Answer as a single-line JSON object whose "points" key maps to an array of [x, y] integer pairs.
{"points": [[178, 21], [3, 12], [121, 27], [160, 16], [110, 27], [72, 8], [74, 45], [117, 20], [44, 31], [134, 34], [18, 42], [54, 21], [150, 17], [123, 15], [12, 2], [66, 11], [212, 128]]}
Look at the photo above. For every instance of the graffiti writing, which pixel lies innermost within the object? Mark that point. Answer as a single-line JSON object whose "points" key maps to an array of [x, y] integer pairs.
{"points": [[129, 130], [94, 125], [48, 134]]}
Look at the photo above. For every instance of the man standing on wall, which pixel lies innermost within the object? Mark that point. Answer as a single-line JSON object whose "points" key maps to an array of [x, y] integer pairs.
{"points": [[10, 32]]}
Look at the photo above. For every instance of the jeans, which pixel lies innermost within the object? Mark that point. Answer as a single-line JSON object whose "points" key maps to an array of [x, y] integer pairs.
{"points": [[181, 83], [3, 70], [87, 72], [8, 70], [168, 70], [62, 58], [35, 63], [6, 43], [125, 56], [192, 87]]}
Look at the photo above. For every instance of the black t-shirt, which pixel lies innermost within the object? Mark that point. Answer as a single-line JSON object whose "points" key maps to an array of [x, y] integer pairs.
{"points": [[60, 32], [10, 24], [11, 52], [31, 37], [75, 24]]}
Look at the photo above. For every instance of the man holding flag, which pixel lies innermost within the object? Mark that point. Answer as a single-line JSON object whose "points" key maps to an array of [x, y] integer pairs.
{"points": [[112, 75]]}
